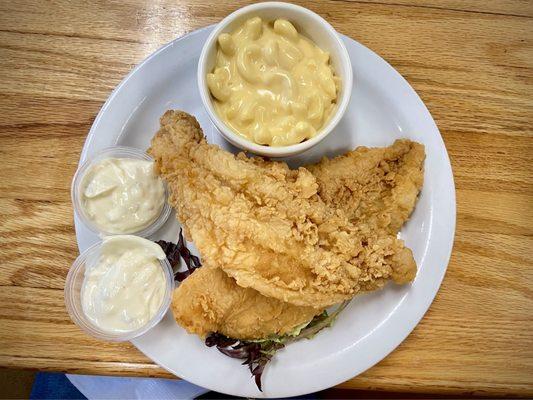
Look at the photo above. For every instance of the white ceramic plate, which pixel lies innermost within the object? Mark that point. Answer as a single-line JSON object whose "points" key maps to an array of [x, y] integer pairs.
{"points": [[383, 108]]}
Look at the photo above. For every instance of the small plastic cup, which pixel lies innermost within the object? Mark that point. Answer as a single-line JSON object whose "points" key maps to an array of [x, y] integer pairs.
{"points": [[73, 298], [77, 197]]}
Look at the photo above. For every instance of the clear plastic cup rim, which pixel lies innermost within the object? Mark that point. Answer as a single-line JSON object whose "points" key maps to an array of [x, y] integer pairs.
{"points": [[79, 318], [114, 152]]}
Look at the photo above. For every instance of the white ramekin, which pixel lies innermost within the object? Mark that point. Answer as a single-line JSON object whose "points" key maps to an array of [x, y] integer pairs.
{"points": [[73, 301], [308, 24], [77, 183]]}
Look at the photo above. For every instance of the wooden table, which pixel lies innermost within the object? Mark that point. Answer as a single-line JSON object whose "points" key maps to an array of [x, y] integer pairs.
{"points": [[470, 61]]}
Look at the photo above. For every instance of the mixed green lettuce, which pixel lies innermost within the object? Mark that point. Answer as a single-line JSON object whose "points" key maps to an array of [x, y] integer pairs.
{"points": [[257, 353]]}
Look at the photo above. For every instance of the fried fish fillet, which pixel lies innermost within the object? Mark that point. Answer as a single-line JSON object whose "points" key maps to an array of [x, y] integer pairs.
{"points": [[266, 226], [375, 187], [210, 301], [359, 183]]}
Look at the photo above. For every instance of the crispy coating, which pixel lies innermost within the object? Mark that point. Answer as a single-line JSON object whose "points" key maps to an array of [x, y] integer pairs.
{"points": [[363, 185], [210, 301], [375, 187], [266, 226]]}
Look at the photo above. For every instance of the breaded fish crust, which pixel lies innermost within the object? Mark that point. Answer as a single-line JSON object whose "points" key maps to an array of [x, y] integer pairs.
{"points": [[375, 187], [267, 226], [210, 301]]}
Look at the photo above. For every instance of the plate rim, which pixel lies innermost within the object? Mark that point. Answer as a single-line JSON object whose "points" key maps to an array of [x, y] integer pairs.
{"points": [[422, 309]]}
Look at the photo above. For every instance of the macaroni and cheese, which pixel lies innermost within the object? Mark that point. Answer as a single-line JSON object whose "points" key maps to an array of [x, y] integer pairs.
{"points": [[271, 85]]}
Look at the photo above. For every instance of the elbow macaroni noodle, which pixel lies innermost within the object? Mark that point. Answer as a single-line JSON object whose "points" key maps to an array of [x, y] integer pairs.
{"points": [[271, 85]]}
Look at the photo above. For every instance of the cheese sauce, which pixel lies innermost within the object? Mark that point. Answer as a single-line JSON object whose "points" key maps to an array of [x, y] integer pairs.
{"points": [[122, 195], [125, 287], [272, 85]]}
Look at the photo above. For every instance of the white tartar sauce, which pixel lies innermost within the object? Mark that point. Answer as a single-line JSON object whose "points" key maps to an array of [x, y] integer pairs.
{"points": [[126, 285], [122, 195]]}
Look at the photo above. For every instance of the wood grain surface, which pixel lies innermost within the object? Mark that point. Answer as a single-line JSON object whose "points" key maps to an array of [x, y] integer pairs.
{"points": [[470, 61]]}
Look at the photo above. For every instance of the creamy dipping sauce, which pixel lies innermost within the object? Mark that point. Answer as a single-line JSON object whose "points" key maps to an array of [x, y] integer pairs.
{"points": [[272, 85], [122, 195], [125, 287]]}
